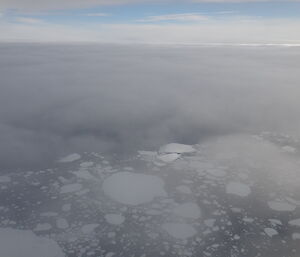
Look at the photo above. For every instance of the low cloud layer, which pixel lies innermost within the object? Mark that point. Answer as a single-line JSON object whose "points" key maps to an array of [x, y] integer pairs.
{"points": [[63, 4], [56, 99]]}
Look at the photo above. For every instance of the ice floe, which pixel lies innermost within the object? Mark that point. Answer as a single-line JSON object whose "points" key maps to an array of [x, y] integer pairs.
{"points": [[114, 219], [70, 188], [295, 222], [5, 179], [237, 188], [62, 223], [133, 188], [271, 232], [21, 243], [42, 227], [179, 230], [169, 157], [176, 148], [70, 158], [184, 189], [89, 228], [281, 206], [188, 210]]}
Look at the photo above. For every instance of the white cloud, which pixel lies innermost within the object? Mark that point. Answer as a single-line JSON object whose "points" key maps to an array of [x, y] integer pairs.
{"points": [[99, 14], [63, 4], [236, 31], [28, 20], [183, 17]]}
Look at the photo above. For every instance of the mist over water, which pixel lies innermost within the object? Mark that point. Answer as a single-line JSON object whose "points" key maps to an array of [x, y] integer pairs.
{"points": [[56, 99], [147, 151]]}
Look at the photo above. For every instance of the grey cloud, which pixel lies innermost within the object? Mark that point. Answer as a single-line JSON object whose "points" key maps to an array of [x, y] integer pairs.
{"points": [[60, 98]]}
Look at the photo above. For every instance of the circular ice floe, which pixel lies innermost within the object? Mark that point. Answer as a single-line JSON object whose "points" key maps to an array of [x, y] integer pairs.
{"points": [[188, 210], [281, 206], [132, 188], [237, 188], [21, 243], [179, 230], [176, 148], [70, 158], [114, 219]]}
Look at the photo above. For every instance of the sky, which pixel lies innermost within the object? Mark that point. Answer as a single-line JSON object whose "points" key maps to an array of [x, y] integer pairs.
{"points": [[148, 21]]}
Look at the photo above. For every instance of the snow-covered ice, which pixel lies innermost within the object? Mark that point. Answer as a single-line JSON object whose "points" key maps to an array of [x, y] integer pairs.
{"points": [[188, 210], [133, 188], [70, 158], [89, 228], [237, 188], [295, 222], [184, 189], [281, 206], [62, 223], [24, 243], [70, 188], [179, 230], [114, 219], [43, 227], [176, 148], [5, 179], [169, 157], [271, 232]]}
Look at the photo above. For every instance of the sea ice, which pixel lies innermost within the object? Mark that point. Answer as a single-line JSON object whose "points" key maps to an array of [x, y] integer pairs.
{"points": [[89, 228], [21, 243], [281, 206], [179, 230], [271, 232], [169, 157], [188, 210], [132, 188], [70, 158], [62, 223], [184, 189], [176, 148], [237, 188], [115, 219], [296, 236], [42, 227], [5, 179], [70, 188], [295, 222], [86, 164]]}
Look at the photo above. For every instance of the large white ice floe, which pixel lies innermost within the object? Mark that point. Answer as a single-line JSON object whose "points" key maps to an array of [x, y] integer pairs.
{"points": [[132, 188], [237, 188], [281, 206], [169, 157], [21, 243], [70, 158], [188, 210], [179, 230], [295, 223], [176, 148]]}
